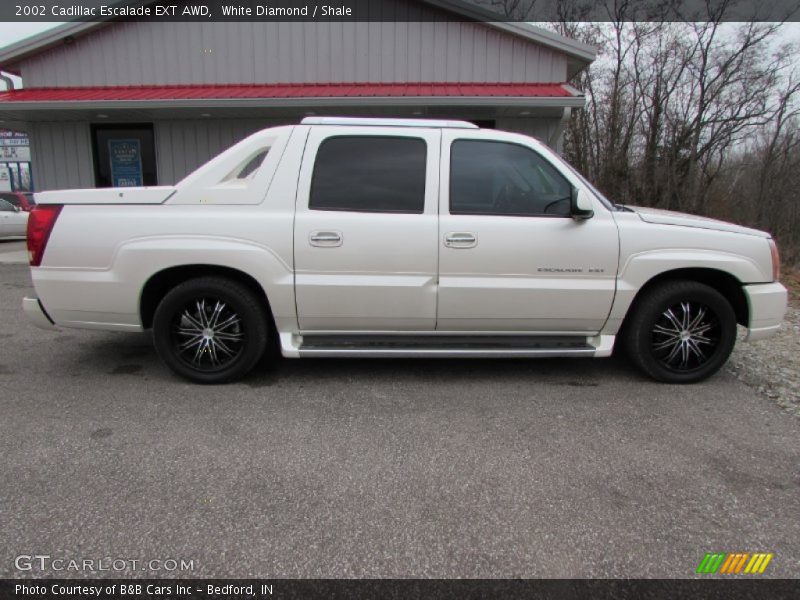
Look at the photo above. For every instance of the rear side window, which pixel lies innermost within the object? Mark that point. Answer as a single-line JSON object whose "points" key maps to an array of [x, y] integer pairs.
{"points": [[505, 179], [369, 174], [248, 168]]}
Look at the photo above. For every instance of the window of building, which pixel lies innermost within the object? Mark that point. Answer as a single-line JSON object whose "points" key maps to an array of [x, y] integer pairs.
{"points": [[369, 174], [499, 178], [124, 155]]}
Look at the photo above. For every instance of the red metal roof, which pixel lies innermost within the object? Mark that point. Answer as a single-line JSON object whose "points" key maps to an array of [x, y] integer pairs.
{"points": [[284, 90]]}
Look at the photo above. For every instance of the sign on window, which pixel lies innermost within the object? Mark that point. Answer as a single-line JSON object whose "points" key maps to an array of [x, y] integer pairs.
{"points": [[126, 162]]}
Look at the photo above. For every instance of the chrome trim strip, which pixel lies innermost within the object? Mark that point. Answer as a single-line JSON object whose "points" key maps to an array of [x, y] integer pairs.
{"points": [[443, 353]]}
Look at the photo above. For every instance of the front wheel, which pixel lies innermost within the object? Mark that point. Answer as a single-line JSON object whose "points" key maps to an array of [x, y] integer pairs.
{"points": [[210, 330], [680, 332]]}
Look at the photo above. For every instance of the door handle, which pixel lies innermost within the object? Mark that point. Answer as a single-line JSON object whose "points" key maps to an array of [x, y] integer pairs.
{"points": [[325, 238], [460, 239]]}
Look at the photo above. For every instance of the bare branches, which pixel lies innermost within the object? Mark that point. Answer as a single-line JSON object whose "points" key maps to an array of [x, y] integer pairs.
{"points": [[697, 116]]}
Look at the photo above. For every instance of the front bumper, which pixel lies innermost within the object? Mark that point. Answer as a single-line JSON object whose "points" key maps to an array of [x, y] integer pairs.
{"points": [[767, 303], [36, 313]]}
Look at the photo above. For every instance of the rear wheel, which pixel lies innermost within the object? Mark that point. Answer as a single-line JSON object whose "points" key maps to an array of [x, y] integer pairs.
{"points": [[210, 330], [680, 332]]}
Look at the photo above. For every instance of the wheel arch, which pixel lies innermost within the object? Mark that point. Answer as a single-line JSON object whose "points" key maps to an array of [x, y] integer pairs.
{"points": [[157, 286], [723, 282]]}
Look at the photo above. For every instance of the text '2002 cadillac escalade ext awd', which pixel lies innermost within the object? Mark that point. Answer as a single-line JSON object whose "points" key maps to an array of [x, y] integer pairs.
{"points": [[378, 237]]}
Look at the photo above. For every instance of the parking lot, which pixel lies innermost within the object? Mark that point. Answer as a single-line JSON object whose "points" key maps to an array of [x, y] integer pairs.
{"points": [[13, 251], [379, 468]]}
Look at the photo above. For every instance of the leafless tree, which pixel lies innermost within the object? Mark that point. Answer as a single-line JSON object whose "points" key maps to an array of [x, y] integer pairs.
{"points": [[694, 116]]}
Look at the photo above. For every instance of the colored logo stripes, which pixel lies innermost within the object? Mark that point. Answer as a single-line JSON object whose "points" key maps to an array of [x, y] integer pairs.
{"points": [[734, 562]]}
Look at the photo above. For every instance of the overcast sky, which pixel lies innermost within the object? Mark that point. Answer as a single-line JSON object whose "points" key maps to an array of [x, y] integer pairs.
{"points": [[13, 32]]}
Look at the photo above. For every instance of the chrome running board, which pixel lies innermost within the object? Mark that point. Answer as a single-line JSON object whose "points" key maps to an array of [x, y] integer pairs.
{"points": [[444, 346]]}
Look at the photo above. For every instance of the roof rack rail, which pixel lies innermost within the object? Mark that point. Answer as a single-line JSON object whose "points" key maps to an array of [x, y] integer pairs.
{"points": [[358, 121]]}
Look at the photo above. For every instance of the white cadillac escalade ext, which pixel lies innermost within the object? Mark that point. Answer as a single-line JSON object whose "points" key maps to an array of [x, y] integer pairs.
{"points": [[415, 238]]}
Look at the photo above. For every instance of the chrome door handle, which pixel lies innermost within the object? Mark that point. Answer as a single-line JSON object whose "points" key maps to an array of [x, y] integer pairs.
{"points": [[325, 238], [460, 240]]}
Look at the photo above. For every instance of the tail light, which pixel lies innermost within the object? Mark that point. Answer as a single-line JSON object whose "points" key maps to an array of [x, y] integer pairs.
{"points": [[776, 260], [41, 220]]}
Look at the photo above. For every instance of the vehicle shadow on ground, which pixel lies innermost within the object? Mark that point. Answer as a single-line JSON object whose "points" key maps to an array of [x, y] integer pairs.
{"points": [[133, 354], [569, 371]]}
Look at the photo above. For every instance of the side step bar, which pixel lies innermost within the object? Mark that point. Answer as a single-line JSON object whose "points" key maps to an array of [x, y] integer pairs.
{"points": [[451, 346]]}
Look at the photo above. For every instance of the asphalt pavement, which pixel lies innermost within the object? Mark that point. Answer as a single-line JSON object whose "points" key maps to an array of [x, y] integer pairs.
{"points": [[13, 251], [379, 468]]}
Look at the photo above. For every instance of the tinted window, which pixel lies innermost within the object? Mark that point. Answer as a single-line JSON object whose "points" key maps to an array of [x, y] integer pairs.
{"points": [[497, 178], [248, 169], [369, 174], [6, 206]]}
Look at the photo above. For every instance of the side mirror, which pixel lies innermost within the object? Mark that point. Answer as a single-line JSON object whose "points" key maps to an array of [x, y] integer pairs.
{"points": [[582, 207], [17, 209]]}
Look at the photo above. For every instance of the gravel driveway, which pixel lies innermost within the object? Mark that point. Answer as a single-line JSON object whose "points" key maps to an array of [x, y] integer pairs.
{"points": [[773, 366]]}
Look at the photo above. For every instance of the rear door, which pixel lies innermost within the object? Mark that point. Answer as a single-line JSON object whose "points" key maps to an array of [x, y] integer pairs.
{"points": [[366, 229]]}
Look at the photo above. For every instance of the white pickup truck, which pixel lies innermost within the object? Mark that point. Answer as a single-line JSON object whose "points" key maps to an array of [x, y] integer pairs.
{"points": [[391, 237]]}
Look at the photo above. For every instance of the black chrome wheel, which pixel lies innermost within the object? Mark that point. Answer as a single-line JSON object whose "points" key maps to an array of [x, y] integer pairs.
{"points": [[208, 334], [211, 329], [686, 336], [680, 331]]}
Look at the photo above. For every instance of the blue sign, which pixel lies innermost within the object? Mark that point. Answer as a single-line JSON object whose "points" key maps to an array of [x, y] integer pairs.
{"points": [[126, 162]]}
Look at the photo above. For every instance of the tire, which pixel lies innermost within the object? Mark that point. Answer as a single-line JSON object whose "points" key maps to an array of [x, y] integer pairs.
{"points": [[211, 330], [680, 332]]}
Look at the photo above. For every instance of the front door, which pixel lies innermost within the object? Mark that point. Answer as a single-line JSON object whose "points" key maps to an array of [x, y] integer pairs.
{"points": [[366, 230], [511, 258]]}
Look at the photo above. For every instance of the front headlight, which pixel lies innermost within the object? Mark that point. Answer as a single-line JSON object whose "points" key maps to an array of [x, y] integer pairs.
{"points": [[776, 260]]}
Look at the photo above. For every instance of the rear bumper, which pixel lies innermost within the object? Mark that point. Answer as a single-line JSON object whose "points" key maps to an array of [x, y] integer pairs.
{"points": [[36, 313], [767, 303]]}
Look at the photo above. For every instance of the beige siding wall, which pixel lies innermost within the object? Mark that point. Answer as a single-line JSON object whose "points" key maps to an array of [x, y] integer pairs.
{"points": [[245, 52], [61, 155]]}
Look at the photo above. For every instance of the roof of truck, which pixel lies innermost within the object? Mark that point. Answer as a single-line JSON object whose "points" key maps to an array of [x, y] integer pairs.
{"points": [[355, 121]]}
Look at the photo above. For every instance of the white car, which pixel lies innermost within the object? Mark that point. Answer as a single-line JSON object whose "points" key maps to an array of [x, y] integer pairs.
{"points": [[383, 237], [13, 221]]}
